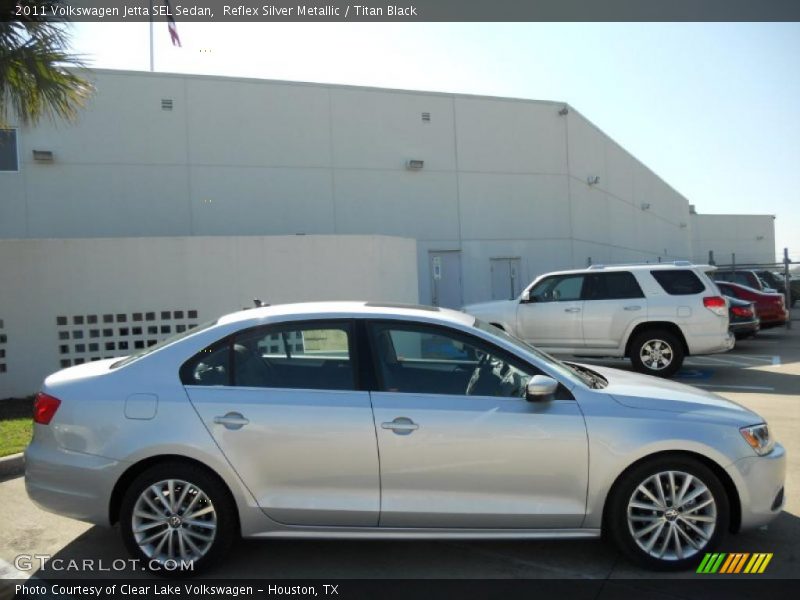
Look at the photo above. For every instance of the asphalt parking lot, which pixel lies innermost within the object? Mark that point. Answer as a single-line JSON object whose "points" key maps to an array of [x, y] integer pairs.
{"points": [[762, 373]]}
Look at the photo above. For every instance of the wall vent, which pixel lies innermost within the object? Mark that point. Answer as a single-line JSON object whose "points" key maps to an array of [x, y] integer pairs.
{"points": [[166, 104], [426, 117], [119, 338]]}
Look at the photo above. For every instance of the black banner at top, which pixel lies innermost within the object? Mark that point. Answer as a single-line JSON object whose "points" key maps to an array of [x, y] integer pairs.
{"points": [[402, 10]]}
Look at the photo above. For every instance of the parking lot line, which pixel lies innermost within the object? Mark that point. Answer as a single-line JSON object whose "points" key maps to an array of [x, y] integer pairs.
{"points": [[738, 360], [755, 388]]}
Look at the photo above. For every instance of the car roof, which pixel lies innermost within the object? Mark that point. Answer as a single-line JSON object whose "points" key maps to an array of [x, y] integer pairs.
{"points": [[634, 267], [346, 309]]}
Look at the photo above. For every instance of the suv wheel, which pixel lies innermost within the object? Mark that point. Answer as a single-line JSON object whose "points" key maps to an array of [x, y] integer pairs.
{"points": [[667, 513], [174, 514], [657, 352]]}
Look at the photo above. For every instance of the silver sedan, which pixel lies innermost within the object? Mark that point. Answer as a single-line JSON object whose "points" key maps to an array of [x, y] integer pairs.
{"points": [[362, 420]]}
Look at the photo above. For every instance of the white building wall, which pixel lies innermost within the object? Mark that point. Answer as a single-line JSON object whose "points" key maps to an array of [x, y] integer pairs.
{"points": [[750, 237], [502, 177], [47, 279]]}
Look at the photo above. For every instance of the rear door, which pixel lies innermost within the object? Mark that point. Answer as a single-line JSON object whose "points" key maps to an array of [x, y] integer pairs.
{"points": [[282, 403], [612, 302]]}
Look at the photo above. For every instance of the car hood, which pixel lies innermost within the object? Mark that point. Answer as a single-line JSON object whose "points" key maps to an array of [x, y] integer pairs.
{"points": [[654, 393]]}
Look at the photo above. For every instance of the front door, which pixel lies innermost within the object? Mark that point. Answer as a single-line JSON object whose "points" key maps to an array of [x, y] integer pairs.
{"points": [[291, 423], [445, 269], [459, 444], [552, 317]]}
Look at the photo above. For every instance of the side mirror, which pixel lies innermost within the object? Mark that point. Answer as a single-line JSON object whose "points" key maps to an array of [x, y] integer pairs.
{"points": [[541, 388], [525, 297]]}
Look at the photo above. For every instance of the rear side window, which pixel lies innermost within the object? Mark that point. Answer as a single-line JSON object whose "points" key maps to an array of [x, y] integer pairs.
{"points": [[679, 282], [612, 286], [309, 356]]}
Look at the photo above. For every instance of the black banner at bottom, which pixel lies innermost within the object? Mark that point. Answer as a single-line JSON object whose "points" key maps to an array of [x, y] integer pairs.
{"points": [[705, 587]]}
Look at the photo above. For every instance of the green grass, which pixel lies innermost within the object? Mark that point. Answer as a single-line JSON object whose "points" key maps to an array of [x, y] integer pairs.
{"points": [[15, 435]]}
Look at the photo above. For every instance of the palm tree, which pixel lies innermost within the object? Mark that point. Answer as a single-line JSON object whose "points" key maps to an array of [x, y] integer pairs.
{"points": [[36, 68]]}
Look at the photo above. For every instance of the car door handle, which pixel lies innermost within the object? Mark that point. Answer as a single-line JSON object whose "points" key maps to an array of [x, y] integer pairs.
{"points": [[573, 309], [400, 426], [634, 307], [232, 420]]}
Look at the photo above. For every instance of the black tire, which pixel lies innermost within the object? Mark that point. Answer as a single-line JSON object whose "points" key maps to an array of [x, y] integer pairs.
{"points": [[661, 341], [619, 529], [204, 490]]}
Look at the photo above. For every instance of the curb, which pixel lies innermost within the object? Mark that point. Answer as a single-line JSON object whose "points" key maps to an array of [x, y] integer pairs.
{"points": [[12, 466]]}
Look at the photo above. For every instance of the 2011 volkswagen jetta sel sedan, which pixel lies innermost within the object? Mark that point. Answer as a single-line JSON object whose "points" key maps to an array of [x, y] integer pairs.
{"points": [[358, 420]]}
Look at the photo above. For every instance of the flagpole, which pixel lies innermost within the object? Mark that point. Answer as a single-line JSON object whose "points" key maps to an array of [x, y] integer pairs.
{"points": [[151, 38]]}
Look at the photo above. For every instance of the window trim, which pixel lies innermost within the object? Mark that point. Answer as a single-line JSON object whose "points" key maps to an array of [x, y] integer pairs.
{"points": [[16, 147]]}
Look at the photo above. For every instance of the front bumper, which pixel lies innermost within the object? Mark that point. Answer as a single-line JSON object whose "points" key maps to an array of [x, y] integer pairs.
{"points": [[72, 484], [759, 481]]}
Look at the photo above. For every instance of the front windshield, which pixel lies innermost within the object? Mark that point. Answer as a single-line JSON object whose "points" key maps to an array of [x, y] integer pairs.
{"points": [[560, 367], [161, 344]]}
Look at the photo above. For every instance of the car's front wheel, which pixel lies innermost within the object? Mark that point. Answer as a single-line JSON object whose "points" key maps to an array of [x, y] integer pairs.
{"points": [[667, 513], [177, 517], [657, 352]]}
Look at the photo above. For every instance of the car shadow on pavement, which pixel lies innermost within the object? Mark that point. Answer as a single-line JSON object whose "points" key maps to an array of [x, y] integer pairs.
{"points": [[102, 548]]}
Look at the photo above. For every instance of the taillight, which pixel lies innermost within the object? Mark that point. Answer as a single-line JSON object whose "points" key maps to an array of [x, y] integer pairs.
{"points": [[44, 407], [741, 311], [716, 304]]}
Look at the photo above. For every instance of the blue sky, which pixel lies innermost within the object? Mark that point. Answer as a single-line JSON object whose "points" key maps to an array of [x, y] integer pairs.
{"points": [[714, 109]]}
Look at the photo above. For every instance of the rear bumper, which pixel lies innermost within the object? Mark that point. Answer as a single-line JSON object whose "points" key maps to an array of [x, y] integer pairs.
{"points": [[71, 484], [745, 327], [710, 343], [759, 481]]}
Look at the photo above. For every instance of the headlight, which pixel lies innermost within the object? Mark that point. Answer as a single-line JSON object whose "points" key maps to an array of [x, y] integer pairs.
{"points": [[757, 437]]}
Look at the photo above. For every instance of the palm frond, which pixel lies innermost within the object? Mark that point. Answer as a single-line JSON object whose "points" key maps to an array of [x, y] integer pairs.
{"points": [[39, 77]]}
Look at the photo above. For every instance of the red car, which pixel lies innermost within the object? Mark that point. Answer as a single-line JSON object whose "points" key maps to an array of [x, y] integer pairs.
{"points": [[771, 308]]}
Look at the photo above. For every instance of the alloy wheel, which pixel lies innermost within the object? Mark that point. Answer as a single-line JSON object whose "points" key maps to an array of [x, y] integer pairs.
{"points": [[656, 354], [174, 520], [672, 515]]}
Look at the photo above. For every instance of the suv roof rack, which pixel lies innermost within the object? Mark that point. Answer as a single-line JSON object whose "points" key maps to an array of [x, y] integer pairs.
{"points": [[676, 263]]}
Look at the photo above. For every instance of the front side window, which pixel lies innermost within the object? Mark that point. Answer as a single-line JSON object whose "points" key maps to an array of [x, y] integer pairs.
{"points": [[433, 360], [612, 286], [679, 282], [9, 156], [558, 288]]}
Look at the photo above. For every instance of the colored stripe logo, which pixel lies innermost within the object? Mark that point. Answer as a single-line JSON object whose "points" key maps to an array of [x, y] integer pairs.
{"points": [[734, 562]]}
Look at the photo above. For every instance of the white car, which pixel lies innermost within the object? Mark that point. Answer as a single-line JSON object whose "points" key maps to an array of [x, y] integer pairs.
{"points": [[654, 314]]}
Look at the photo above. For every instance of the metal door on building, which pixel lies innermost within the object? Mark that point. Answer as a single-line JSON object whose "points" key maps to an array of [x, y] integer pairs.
{"points": [[505, 278], [445, 269]]}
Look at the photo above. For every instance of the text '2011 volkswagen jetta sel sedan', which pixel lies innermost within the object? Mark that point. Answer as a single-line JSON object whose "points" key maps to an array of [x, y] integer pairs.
{"points": [[358, 420]]}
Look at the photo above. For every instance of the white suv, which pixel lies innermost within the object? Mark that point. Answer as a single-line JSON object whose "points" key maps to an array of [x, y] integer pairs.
{"points": [[654, 314]]}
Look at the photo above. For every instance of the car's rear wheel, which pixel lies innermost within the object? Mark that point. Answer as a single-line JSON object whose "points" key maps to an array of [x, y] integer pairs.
{"points": [[657, 352], [177, 517], [667, 513]]}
